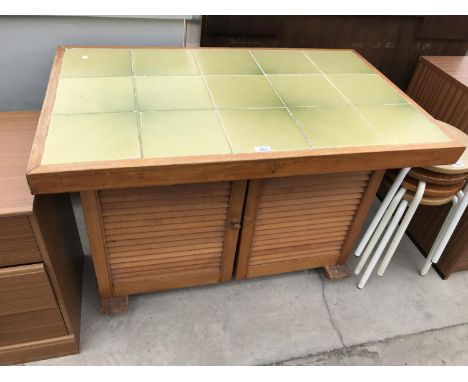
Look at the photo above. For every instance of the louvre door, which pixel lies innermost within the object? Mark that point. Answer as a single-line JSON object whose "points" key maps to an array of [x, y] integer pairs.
{"points": [[303, 222], [164, 237]]}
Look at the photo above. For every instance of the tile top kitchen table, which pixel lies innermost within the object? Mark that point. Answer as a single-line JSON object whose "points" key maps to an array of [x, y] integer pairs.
{"points": [[114, 108]]}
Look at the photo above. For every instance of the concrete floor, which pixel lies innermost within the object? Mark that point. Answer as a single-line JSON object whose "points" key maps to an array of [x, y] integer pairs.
{"points": [[292, 319]]}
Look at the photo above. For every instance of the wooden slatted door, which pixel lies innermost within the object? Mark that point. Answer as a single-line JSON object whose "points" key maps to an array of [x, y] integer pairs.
{"points": [[296, 223], [156, 238]]}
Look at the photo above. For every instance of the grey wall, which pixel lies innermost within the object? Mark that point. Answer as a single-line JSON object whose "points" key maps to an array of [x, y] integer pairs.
{"points": [[27, 48]]}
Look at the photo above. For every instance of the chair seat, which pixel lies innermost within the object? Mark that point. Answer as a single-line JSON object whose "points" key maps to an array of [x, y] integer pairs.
{"points": [[429, 200], [409, 195], [428, 176], [435, 190], [461, 166]]}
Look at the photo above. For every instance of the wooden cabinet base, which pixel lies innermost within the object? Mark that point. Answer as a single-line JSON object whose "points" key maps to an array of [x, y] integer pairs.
{"points": [[158, 238], [166, 237]]}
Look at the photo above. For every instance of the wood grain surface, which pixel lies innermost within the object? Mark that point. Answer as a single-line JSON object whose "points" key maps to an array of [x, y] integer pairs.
{"points": [[295, 223], [17, 133]]}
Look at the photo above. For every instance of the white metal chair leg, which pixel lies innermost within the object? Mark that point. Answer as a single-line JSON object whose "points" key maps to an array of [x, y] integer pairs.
{"points": [[380, 228], [457, 214], [443, 229], [381, 211], [404, 224], [383, 243], [455, 200]]}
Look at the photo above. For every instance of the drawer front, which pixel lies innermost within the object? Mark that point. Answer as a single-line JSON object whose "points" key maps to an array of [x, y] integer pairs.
{"points": [[173, 236], [298, 223], [17, 242], [28, 309]]}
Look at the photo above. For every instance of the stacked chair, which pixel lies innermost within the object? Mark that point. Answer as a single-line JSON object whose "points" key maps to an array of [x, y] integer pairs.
{"points": [[406, 190]]}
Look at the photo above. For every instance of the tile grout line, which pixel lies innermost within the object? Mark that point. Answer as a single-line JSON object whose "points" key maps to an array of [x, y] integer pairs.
{"points": [[226, 108], [213, 102], [346, 99], [223, 75], [135, 98], [282, 101]]}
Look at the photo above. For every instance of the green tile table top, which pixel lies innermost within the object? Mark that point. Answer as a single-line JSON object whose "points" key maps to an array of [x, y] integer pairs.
{"points": [[391, 122], [123, 103], [164, 62], [172, 93], [182, 132], [338, 62], [94, 95], [96, 137], [82, 62], [255, 130], [240, 92], [336, 126], [366, 90], [304, 90], [284, 62]]}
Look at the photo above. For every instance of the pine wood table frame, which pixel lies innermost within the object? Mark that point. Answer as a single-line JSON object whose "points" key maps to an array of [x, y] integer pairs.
{"points": [[242, 176]]}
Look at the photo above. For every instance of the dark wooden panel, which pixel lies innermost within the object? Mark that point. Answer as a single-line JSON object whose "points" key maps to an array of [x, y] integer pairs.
{"points": [[57, 234], [443, 27], [443, 95], [241, 26], [391, 43]]}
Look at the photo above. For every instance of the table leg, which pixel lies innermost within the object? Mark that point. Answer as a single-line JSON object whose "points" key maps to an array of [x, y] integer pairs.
{"points": [[115, 304], [336, 272]]}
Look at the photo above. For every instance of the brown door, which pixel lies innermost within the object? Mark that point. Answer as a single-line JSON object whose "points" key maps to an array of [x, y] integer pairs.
{"points": [[164, 237], [302, 222]]}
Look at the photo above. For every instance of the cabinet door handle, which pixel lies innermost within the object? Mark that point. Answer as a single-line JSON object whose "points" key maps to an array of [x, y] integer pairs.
{"points": [[235, 225]]}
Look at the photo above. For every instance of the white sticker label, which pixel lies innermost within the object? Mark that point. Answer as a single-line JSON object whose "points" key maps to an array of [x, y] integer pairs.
{"points": [[84, 57], [262, 149], [458, 164]]}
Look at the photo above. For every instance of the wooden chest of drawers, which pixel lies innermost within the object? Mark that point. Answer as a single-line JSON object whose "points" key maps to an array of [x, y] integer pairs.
{"points": [[40, 257]]}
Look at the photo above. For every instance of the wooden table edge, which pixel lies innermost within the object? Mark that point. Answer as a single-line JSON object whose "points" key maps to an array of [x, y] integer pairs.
{"points": [[152, 172]]}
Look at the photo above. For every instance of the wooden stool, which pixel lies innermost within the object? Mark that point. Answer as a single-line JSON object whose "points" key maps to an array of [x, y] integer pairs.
{"points": [[410, 188], [435, 190], [459, 202], [436, 178]]}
